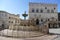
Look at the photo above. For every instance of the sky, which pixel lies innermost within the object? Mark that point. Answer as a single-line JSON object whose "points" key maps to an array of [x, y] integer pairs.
{"points": [[20, 6]]}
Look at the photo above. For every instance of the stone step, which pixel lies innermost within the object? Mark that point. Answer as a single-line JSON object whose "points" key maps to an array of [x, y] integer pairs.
{"points": [[15, 33]]}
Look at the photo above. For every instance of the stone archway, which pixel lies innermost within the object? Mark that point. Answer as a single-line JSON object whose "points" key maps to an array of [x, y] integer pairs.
{"points": [[37, 21]]}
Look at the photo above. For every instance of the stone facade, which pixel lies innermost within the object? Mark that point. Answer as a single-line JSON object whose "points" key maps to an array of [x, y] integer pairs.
{"points": [[9, 19], [14, 20], [42, 11]]}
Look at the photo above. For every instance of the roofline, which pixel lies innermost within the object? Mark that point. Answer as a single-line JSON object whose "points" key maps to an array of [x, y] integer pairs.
{"points": [[43, 3], [8, 13]]}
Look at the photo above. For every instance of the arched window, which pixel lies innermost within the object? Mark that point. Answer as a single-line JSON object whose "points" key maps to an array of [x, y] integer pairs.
{"points": [[41, 11], [48, 11], [41, 20], [48, 19], [33, 10], [37, 21], [54, 8], [45, 7], [52, 11], [37, 10]]}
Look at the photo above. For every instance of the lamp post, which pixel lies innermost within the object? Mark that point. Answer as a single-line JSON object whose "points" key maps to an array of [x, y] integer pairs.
{"points": [[25, 15]]}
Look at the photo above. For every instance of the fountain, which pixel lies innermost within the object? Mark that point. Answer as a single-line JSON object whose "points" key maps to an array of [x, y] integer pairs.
{"points": [[27, 28]]}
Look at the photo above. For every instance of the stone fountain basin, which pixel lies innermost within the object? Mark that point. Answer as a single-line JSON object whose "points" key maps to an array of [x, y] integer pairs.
{"points": [[20, 34], [32, 28]]}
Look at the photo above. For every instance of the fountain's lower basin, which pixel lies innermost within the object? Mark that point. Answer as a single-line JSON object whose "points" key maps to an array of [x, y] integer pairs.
{"points": [[20, 34]]}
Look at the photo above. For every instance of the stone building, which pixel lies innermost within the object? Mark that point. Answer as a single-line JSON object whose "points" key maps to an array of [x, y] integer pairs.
{"points": [[43, 12], [59, 18], [8, 19]]}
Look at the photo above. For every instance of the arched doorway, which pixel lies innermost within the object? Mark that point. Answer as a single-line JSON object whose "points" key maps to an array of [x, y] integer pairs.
{"points": [[37, 21]]}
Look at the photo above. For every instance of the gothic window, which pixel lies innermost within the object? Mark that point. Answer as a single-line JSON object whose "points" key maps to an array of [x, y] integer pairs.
{"points": [[12, 22], [48, 11], [52, 11], [45, 7], [3, 26], [49, 25], [54, 8], [41, 20], [37, 21], [41, 11], [48, 19], [32, 10], [37, 10]]}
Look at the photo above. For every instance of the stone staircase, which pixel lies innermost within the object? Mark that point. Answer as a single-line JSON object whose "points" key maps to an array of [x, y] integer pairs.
{"points": [[20, 34]]}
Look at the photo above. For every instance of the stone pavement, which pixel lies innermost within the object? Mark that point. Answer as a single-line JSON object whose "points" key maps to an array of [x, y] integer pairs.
{"points": [[58, 38], [45, 37]]}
